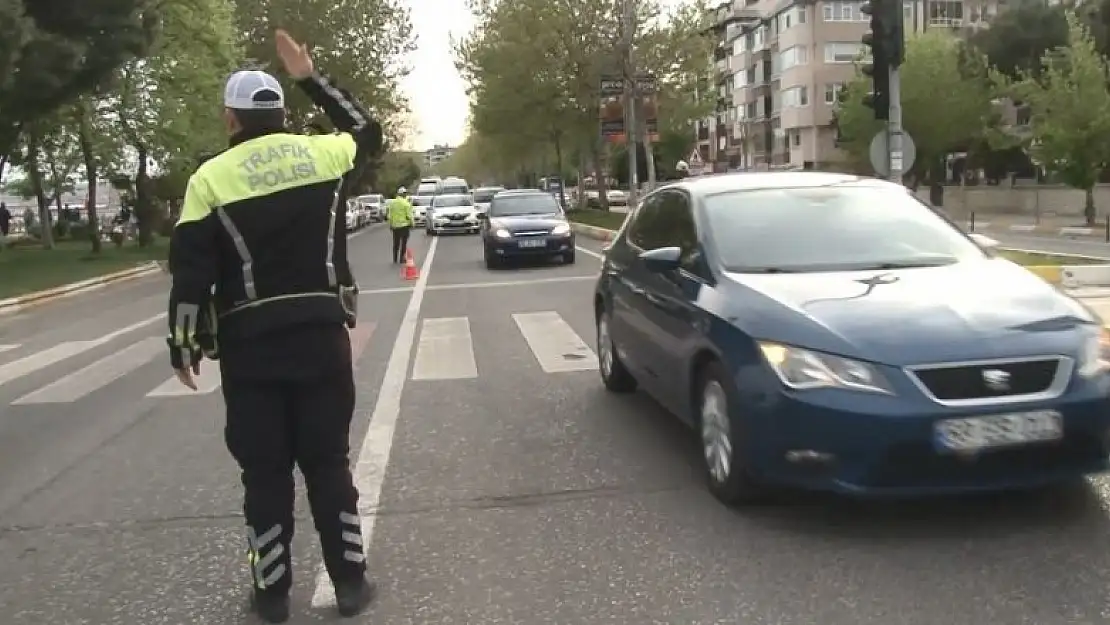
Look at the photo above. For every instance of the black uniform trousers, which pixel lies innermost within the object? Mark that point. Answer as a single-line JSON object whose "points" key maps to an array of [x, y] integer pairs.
{"points": [[289, 402], [400, 243]]}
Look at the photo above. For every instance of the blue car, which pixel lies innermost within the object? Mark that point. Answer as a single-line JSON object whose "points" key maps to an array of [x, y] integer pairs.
{"points": [[829, 332]]}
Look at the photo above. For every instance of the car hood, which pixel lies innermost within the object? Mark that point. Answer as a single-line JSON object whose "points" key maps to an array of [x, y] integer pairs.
{"points": [[527, 222], [972, 310]]}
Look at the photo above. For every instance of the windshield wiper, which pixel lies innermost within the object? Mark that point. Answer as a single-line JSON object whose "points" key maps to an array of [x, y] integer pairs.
{"points": [[910, 263]]}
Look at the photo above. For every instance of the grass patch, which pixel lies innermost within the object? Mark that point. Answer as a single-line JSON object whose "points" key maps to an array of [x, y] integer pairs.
{"points": [[1031, 259], [28, 268], [599, 218]]}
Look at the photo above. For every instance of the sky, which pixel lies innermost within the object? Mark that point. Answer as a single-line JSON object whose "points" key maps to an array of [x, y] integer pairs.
{"points": [[436, 92]]}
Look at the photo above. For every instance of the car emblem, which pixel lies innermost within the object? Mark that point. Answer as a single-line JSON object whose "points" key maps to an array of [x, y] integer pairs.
{"points": [[996, 379]]}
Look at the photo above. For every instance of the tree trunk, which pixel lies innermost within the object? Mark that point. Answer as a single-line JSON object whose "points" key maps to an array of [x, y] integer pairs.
{"points": [[1089, 206], [46, 226], [84, 135], [144, 209], [601, 168], [559, 168]]}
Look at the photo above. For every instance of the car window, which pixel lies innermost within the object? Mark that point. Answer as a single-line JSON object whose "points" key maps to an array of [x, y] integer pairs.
{"points": [[839, 227], [523, 204], [664, 220], [451, 200], [421, 201], [454, 189], [426, 188], [485, 195]]}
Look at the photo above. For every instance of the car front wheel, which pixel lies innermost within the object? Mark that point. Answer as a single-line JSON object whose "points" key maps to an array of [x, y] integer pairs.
{"points": [[728, 475], [613, 373]]}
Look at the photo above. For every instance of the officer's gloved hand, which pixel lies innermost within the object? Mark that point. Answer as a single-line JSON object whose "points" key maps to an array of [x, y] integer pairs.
{"points": [[348, 297], [185, 356]]}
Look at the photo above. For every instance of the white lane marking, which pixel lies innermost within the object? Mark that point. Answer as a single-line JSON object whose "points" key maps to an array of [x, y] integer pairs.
{"points": [[41, 360], [589, 252], [556, 346], [487, 285], [396, 289], [97, 375], [207, 382], [8, 348], [445, 350], [373, 457], [53, 355]]}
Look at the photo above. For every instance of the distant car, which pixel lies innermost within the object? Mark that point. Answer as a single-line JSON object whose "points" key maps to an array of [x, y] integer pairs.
{"points": [[483, 195], [525, 223], [830, 332], [428, 186], [373, 204], [617, 197], [420, 204], [453, 186], [452, 213]]}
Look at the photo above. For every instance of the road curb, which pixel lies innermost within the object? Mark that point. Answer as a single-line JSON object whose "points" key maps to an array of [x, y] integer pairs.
{"points": [[593, 232], [23, 302]]}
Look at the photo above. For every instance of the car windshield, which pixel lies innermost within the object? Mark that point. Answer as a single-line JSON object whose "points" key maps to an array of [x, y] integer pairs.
{"points": [[841, 227], [444, 201], [485, 195], [426, 188], [530, 204], [421, 201], [373, 199], [453, 189]]}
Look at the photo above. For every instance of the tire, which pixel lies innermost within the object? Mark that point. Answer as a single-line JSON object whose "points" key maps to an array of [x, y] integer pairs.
{"points": [[568, 258], [614, 375], [720, 432]]}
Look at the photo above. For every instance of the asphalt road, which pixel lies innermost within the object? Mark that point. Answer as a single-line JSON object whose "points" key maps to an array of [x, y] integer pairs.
{"points": [[517, 490], [1083, 246]]}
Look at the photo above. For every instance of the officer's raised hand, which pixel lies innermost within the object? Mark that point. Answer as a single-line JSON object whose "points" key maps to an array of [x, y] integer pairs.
{"points": [[294, 56]]}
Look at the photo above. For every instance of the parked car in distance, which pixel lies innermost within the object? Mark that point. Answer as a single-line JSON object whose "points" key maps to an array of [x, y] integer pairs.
{"points": [[831, 332], [525, 223], [373, 204], [483, 195]]}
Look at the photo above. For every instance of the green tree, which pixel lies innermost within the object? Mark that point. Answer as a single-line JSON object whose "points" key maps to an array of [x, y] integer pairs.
{"points": [[946, 106], [1019, 36], [166, 104], [361, 43], [1070, 104], [398, 169], [52, 51]]}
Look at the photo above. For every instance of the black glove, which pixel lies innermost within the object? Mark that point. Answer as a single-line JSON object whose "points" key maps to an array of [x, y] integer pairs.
{"points": [[184, 356], [348, 297]]}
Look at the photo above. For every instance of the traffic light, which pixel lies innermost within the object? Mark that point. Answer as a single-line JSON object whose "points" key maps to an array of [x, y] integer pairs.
{"points": [[887, 43]]}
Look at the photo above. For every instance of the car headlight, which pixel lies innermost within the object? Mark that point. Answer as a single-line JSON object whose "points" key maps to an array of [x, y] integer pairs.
{"points": [[561, 229], [1095, 357], [503, 234], [803, 369]]}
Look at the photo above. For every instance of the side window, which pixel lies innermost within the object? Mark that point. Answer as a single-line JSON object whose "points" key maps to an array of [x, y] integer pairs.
{"points": [[644, 232], [677, 221]]}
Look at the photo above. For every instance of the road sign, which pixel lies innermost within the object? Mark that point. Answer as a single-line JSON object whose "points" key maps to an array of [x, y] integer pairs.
{"points": [[882, 158], [695, 158]]}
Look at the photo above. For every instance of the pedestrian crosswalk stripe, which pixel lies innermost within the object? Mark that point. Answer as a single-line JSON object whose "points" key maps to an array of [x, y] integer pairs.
{"points": [[445, 350], [556, 345], [207, 382], [97, 375], [41, 360], [8, 348]]}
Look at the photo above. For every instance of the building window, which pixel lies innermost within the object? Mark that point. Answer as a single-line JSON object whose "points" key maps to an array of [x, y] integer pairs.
{"points": [[946, 13], [795, 97], [792, 57], [832, 92], [842, 51], [842, 11], [801, 15], [797, 138]]}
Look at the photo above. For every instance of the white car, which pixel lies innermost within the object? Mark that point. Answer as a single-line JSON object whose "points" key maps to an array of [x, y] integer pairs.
{"points": [[420, 204], [483, 196], [453, 213], [617, 197], [372, 206]]}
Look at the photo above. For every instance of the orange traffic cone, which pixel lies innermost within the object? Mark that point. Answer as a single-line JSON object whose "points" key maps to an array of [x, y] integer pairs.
{"points": [[410, 271]]}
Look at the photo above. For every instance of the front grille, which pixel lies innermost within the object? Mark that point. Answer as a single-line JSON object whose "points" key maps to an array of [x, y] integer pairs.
{"points": [[985, 381], [529, 233]]}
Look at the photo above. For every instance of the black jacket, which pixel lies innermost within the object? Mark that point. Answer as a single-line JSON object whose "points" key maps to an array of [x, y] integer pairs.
{"points": [[265, 223]]}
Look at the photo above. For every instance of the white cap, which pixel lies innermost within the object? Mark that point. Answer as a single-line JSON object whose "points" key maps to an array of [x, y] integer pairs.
{"points": [[253, 90], [681, 166]]}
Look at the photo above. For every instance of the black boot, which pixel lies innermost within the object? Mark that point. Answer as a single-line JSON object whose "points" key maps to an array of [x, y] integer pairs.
{"points": [[270, 607], [352, 597]]}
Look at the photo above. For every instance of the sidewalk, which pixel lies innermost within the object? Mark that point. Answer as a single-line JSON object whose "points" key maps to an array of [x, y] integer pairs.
{"points": [[1050, 225]]}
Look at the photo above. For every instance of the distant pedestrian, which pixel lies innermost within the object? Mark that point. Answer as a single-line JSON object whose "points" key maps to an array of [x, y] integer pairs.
{"points": [[5, 220], [399, 213]]}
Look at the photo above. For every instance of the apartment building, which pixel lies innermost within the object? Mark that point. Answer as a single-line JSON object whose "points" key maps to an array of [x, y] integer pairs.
{"points": [[779, 66], [437, 155]]}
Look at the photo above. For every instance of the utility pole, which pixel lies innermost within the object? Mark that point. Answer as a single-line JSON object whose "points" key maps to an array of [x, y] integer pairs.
{"points": [[887, 42], [628, 27]]}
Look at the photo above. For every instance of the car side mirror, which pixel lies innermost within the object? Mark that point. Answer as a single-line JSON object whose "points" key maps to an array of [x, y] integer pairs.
{"points": [[662, 259], [984, 241]]}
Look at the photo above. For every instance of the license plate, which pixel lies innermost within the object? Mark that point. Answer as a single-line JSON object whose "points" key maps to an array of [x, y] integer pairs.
{"points": [[533, 243], [1004, 430]]}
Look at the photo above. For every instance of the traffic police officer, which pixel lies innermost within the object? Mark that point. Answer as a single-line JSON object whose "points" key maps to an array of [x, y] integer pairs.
{"points": [[264, 223], [399, 212]]}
